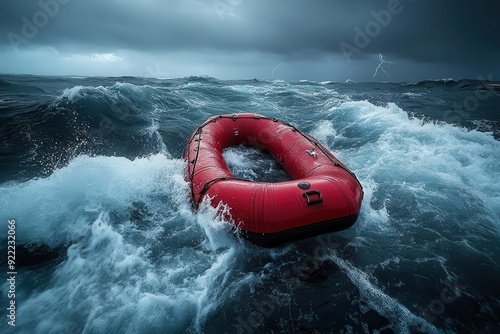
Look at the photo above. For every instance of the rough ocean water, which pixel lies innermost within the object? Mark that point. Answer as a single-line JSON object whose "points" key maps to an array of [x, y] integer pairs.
{"points": [[107, 241]]}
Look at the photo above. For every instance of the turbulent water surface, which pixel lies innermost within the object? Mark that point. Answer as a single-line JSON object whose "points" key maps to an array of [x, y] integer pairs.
{"points": [[107, 241]]}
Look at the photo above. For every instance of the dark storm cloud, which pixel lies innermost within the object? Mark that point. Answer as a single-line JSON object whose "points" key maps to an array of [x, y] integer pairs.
{"points": [[446, 31]]}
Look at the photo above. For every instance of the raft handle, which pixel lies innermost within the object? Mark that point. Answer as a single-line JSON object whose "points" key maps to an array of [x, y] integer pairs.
{"points": [[313, 201]]}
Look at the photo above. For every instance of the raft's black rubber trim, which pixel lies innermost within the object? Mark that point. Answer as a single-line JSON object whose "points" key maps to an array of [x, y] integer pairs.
{"points": [[279, 238]]}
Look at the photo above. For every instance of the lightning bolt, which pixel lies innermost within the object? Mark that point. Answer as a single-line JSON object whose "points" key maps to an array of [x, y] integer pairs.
{"points": [[382, 61], [274, 70]]}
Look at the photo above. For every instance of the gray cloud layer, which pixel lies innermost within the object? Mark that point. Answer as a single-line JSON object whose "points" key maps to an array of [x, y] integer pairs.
{"points": [[458, 33]]}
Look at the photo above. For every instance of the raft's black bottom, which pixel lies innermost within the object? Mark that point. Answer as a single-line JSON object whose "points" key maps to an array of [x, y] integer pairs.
{"points": [[278, 238]]}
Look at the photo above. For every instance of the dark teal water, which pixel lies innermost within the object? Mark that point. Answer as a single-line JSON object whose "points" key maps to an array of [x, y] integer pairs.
{"points": [[107, 242]]}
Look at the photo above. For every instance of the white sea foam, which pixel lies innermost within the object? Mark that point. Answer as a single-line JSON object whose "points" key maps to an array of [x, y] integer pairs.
{"points": [[165, 270], [78, 92], [432, 157], [412, 94], [108, 284], [55, 210], [377, 299], [237, 161], [72, 93], [324, 131]]}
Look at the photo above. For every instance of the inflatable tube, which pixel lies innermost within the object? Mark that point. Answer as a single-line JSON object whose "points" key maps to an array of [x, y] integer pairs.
{"points": [[323, 196]]}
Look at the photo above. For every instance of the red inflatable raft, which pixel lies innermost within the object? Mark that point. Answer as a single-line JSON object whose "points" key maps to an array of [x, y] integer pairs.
{"points": [[323, 196]]}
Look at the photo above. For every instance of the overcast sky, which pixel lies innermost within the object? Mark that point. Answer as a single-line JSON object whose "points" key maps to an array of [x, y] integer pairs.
{"points": [[267, 39]]}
